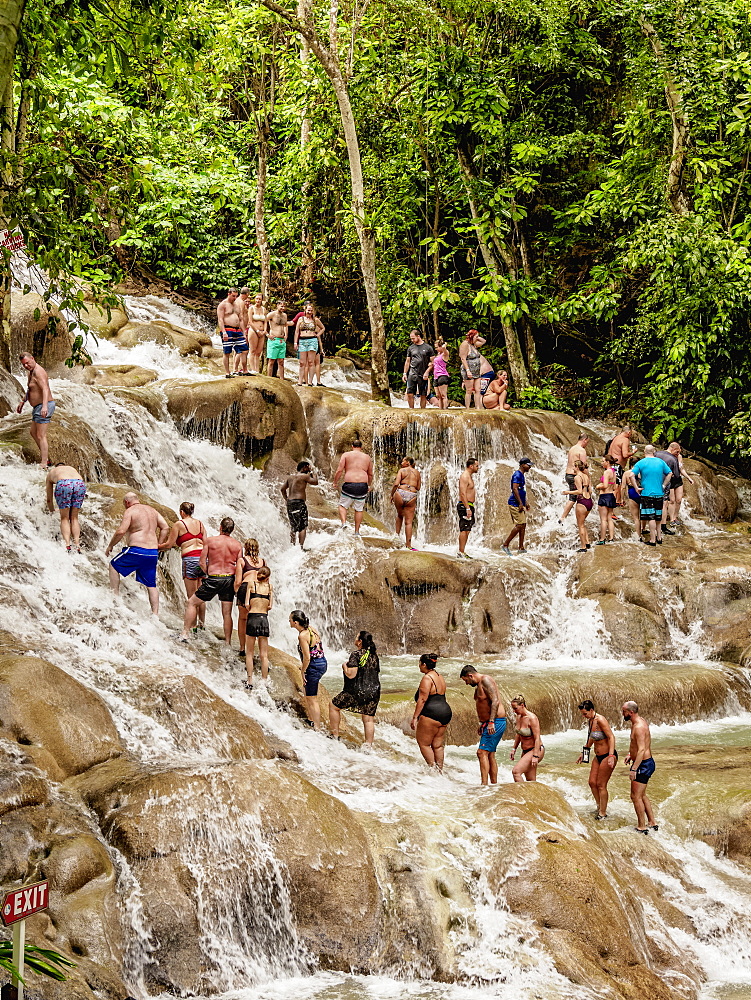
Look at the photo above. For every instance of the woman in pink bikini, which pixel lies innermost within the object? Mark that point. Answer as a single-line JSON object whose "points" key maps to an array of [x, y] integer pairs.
{"points": [[404, 492], [583, 493], [190, 534], [437, 368]]}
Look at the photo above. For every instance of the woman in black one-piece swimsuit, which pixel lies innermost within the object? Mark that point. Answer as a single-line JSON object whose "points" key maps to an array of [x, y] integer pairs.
{"points": [[432, 712]]}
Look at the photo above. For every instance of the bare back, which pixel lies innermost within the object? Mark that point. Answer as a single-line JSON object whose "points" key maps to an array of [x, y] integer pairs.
{"points": [[63, 472], [578, 453], [358, 467], [641, 739], [620, 449], [222, 553], [297, 485], [142, 524], [408, 479]]}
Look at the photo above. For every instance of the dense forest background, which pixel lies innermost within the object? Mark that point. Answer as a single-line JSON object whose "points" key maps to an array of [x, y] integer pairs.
{"points": [[571, 178]]}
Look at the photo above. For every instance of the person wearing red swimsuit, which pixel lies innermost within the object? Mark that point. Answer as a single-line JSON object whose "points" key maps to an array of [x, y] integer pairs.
{"points": [[190, 534]]}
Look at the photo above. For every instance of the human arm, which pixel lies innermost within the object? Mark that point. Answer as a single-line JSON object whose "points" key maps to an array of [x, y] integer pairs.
{"points": [[50, 494], [285, 488], [491, 691], [339, 470], [370, 473], [463, 490], [297, 333], [396, 483], [352, 665], [682, 470], [407, 362], [534, 725], [171, 538], [271, 596], [609, 736], [667, 478], [578, 490], [238, 575], [220, 310], [162, 529], [517, 741], [422, 697], [517, 495], [313, 479], [121, 532], [320, 328], [304, 640], [44, 384], [203, 559]]}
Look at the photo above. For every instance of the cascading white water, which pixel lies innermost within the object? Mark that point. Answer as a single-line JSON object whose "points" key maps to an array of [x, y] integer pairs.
{"points": [[68, 616]]}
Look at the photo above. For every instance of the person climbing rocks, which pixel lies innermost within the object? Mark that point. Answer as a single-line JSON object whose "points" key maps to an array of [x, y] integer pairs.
{"points": [[642, 766], [313, 663], [583, 492], [600, 738], [218, 561], [146, 530], [39, 396], [606, 502], [465, 508], [190, 534], [259, 600], [576, 453], [518, 506], [653, 476], [416, 364], [362, 688], [528, 734], [294, 490], [355, 469], [432, 712], [404, 492], [65, 486], [230, 317], [246, 570], [492, 718], [621, 450]]}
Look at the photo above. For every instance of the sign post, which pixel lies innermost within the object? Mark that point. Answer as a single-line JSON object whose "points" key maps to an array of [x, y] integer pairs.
{"points": [[17, 906]]}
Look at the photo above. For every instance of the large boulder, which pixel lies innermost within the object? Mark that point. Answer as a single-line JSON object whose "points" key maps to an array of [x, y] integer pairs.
{"points": [[39, 327], [126, 376], [712, 495], [11, 392], [43, 707], [103, 320], [260, 419], [185, 341]]}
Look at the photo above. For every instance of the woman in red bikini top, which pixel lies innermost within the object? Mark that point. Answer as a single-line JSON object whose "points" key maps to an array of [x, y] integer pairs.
{"points": [[190, 534]]}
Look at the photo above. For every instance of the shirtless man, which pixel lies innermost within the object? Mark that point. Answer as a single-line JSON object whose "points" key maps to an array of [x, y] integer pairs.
{"points": [[146, 530], [492, 718], [295, 494], [276, 345], [621, 451], [577, 453], [39, 395], [65, 485], [404, 492], [231, 316], [218, 562], [466, 506], [642, 766], [355, 469]]}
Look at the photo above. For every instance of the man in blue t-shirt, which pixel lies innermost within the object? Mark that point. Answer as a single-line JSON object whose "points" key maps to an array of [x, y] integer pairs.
{"points": [[652, 476], [518, 506]]}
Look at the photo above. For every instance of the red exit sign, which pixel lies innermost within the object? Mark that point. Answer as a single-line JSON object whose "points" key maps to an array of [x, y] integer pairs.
{"points": [[21, 903]]}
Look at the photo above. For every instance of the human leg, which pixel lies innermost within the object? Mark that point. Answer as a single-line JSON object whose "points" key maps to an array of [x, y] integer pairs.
{"points": [[242, 620], [603, 512], [358, 520], [522, 533], [191, 613], [250, 648], [638, 792], [399, 505], [227, 621], [581, 517], [477, 393], [114, 580], [512, 535], [75, 526], [463, 537], [409, 515], [678, 499], [153, 599], [335, 718], [263, 653], [65, 524], [425, 733], [443, 399], [593, 786], [437, 745], [368, 725], [42, 442], [604, 771], [411, 400], [314, 710], [484, 758]]}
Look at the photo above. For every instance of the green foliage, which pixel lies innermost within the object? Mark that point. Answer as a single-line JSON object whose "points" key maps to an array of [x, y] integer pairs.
{"points": [[43, 961]]}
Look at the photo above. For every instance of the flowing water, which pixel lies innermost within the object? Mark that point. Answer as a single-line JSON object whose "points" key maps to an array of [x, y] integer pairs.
{"points": [[61, 607]]}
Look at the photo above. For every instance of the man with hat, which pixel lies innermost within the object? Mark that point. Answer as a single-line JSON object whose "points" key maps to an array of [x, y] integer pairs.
{"points": [[518, 506]]}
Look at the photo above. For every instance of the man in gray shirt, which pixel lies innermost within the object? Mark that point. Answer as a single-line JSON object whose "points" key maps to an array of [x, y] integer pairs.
{"points": [[670, 458], [416, 364]]}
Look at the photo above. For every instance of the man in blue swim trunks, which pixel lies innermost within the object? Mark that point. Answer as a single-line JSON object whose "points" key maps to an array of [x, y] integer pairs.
{"points": [[642, 766], [492, 718], [231, 317], [39, 394], [146, 530]]}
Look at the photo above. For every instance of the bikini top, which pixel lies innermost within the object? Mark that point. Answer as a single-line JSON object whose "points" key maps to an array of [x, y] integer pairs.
{"points": [[596, 734], [525, 731], [248, 566], [316, 648], [266, 597], [188, 536], [259, 316], [308, 323]]}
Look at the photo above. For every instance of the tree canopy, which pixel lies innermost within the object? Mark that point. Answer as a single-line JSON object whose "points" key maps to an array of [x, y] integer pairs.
{"points": [[570, 177]]}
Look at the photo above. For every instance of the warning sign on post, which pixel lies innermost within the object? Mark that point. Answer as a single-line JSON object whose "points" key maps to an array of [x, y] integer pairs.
{"points": [[21, 903]]}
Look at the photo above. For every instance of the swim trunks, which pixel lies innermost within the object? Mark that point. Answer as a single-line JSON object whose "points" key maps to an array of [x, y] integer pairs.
{"points": [[619, 470], [236, 340], [518, 514], [222, 587], [257, 624], [70, 493], [490, 741], [354, 495], [142, 562], [297, 512], [316, 669], [417, 386], [36, 413], [191, 568], [651, 508], [607, 500], [645, 771], [675, 482], [466, 516], [276, 348], [570, 478], [307, 344]]}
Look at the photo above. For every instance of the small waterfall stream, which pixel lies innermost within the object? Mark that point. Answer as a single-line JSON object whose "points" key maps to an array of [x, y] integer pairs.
{"points": [[249, 946]]}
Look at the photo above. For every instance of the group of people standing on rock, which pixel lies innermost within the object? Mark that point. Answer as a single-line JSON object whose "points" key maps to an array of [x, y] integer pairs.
{"points": [[249, 332], [653, 487], [483, 386]]}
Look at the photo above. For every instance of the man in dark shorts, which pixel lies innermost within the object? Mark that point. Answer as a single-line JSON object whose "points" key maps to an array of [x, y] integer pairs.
{"points": [[642, 766], [294, 492], [518, 506], [231, 317], [218, 563], [621, 451], [466, 506], [670, 458], [492, 718], [415, 366], [653, 476]]}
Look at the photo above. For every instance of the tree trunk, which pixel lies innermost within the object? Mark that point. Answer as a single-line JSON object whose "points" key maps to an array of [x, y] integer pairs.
{"points": [[516, 365], [260, 218], [306, 234], [436, 256], [677, 196]]}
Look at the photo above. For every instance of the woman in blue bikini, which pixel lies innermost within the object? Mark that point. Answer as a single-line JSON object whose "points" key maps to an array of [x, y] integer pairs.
{"points": [[307, 331]]}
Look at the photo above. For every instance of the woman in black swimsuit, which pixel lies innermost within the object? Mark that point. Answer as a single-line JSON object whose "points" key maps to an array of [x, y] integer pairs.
{"points": [[258, 602], [432, 712], [362, 688], [600, 737], [245, 573]]}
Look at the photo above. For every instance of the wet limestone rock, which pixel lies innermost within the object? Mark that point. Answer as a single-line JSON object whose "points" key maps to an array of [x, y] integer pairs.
{"points": [[42, 706], [127, 376], [712, 495], [11, 392], [260, 419], [39, 327], [104, 321], [113, 506], [185, 341], [328, 871]]}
